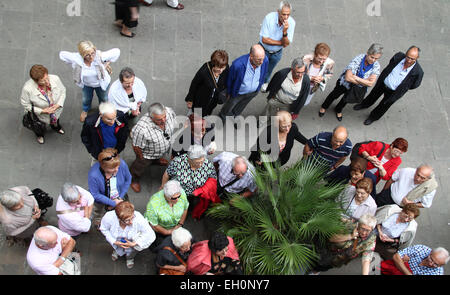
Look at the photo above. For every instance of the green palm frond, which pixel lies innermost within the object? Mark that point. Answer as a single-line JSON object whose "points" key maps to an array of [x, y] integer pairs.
{"points": [[293, 257]]}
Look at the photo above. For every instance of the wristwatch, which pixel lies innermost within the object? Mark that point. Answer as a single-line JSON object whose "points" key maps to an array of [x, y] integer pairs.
{"points": [[285, 35]]}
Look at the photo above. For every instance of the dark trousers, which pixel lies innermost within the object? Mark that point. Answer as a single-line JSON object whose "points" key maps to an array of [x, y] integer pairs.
{"points": [[137, 168], [335, 94], [56, 127], [235, 105], [385, 103], [384, 198], [123, 12]]}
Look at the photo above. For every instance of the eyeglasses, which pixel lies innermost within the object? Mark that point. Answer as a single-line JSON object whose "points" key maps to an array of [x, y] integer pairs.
{"points": [[410, 58], [432, 262], [407, 217], [128, 220], [109, 158], [166, 135]]}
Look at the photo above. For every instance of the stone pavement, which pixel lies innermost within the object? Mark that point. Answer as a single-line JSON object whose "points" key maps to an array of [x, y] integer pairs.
{"points": [[169, 48]]}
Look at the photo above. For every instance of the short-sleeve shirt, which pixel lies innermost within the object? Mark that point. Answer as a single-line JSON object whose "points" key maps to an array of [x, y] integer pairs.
{"points": [[270, 28], [190, 180], [41, 261], [323, 151], [159, 212], [404, 183], [226, 176], [417, 253], [354, 66]]}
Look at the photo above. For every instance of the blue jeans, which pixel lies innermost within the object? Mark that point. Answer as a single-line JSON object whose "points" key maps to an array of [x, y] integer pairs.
{"points": [[88, 94], [274, 58]]}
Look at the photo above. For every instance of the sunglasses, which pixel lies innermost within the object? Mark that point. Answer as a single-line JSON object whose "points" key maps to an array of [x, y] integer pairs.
{"points": [[166, 135], [110, 157]]}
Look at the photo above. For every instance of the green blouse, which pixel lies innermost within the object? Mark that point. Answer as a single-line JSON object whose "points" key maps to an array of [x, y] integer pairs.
{"points": [[159, 212]]}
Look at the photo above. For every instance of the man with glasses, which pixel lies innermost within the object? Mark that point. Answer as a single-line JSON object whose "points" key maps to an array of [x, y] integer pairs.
{"points": [[401, 74], [151, 138], [105, 129], [409, 185], [288, 90]]}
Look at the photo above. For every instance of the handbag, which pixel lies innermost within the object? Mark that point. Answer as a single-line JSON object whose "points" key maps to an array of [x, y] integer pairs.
{"points": [[43, 199], [71, 265], [355, 94], [172, 272], [222, 96], [32, 122]]}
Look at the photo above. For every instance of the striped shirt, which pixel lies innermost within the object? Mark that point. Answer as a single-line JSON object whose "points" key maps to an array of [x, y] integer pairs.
{"points": [[416, 254], [323, 151]]}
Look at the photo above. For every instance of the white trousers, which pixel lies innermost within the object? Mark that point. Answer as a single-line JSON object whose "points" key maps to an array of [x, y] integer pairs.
{"points": [[171, 3]]}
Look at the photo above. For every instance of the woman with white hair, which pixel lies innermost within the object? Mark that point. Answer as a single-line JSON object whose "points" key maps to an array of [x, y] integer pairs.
{"points": [[20, 215], [167, 210], [192, 170], [91, 71], [357, 240], [173, 252], [74, 209]]}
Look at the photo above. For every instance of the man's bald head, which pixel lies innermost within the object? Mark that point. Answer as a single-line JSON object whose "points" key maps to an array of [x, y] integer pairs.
{"points": [[45, 238], [240, 166], [339, 137], [257, 55], [423, 173]]}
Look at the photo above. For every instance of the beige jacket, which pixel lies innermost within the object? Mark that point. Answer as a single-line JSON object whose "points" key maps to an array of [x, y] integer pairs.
{"points": [[326, 69], [31, 95]]}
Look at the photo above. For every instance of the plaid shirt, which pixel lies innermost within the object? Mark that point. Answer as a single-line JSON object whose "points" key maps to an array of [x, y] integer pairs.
{"points": [[417, 253], [354, 66], [226, 175], [153, 141]]}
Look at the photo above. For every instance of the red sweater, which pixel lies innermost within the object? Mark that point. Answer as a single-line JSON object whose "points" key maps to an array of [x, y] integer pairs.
{"points": [[373, 148]]}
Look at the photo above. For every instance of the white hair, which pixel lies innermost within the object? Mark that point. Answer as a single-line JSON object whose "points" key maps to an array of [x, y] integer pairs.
{"points": [[39, 236], [368, 220], [443, 251], [196, 151], [156, 109], [285, 4], [375, 48], [237, 159], [69, 192], [106, 108], [10, 198], [181, 236], [171, 188]]}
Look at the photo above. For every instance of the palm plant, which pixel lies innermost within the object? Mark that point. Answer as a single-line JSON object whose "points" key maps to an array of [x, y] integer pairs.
{"points": [[277, 230]]}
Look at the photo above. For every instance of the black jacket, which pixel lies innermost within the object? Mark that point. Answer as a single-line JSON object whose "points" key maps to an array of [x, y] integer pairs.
{"points": [[275, 85], [91, 134], [202, 89], [178, 148]]}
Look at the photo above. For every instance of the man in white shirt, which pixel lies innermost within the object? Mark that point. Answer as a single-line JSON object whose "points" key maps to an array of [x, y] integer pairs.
{"points": [[403, 182], [48, 250]]}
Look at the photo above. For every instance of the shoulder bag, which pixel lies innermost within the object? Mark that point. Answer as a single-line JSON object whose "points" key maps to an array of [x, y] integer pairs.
{"points": [[222, 96], [71, 265], [172, 272]]}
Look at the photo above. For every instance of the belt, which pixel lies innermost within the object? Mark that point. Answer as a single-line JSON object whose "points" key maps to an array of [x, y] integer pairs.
{"points": [[269, 51]]}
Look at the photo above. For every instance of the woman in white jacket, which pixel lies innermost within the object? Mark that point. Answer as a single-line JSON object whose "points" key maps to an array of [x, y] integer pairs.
{"points": [[91, 71]]}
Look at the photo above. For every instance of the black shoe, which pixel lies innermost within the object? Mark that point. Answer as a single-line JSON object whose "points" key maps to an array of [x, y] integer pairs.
{"points": [[359, 106], [368, 121], [321, 114], [339, 118]]}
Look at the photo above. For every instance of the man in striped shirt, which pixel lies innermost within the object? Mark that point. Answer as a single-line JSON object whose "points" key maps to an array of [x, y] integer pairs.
{"points": [[329, 148]]}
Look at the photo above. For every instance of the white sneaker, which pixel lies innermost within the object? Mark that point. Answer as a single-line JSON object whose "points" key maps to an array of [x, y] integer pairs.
{"points": [[264, 87]]}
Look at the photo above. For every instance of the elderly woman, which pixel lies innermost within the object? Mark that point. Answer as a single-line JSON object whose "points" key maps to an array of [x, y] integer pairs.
{"points": [[284, 141], [208, 83], [216, 256], [173, 252], [91, 71], [167, 210], [192, 170], [195, 133], [357, 200], [361, 72], [44, 95], [359, 240], [74, 209], [108, 180], [396, 228], [19, 214], [319, 68], [383, 164], [127, 231]]}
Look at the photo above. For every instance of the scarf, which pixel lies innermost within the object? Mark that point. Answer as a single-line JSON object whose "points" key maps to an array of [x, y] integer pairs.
{"points": [[422, 189], [363, 69]]}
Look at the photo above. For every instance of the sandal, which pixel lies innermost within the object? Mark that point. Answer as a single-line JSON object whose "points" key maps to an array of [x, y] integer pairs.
{"points": [[115, 256], [178, 7], [130, 263]]}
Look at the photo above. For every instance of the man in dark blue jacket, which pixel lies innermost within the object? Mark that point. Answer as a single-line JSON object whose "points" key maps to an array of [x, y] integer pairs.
{"points": [[245, 78]]}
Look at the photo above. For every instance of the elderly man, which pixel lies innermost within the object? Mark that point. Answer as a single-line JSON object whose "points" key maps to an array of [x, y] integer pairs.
{"points": [[48, 250], [151, 140], [244, 80], [128, 93], [416, 260], [235, 174], [409, 185], [401, 74], [74, 209], [288, 90], [277, 32], [105, 129], [329, 149]]}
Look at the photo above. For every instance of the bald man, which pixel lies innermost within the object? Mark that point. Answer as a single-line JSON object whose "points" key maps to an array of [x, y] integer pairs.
{"points": [[246, 75], [329, 148], [48, 250], [401, 74]]}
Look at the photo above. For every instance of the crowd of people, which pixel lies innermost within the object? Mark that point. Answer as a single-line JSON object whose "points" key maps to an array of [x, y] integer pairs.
{"points": [[383, 222]]}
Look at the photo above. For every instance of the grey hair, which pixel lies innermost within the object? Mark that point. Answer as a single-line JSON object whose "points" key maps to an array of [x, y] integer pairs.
{"points": [[375, 48], [156, 109], [235, 160], [196, 151], [412, 47], [425, 165], [70, 192], [171, 188], [127, 73], [285, 4], [297, 63], [180, 236], [368, 219], [40, 241], [444, 251], [10, 198], [106, 108]]}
